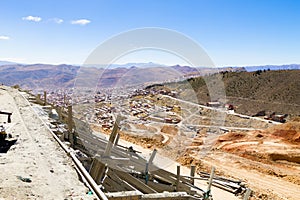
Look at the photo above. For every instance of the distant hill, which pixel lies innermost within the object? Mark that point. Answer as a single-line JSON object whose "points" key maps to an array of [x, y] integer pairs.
{"points": [[251, 92], [38, 76], [272, 67], [45, 76], [6, 63], [49, 77]]}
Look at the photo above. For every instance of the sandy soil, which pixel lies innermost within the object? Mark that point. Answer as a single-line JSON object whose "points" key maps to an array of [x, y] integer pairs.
{"points": [[35, 156]]}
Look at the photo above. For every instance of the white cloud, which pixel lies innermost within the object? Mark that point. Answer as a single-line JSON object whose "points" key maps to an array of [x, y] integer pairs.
{"points": [[3, 37], [57, 20], [81, 21], [32, 18]]}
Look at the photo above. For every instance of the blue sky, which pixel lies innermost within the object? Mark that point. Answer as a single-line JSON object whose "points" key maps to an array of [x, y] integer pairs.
{"points": [[233, 32]]}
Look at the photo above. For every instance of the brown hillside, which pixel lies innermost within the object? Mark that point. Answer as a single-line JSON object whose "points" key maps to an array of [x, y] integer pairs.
{"points": [[251, 92]]}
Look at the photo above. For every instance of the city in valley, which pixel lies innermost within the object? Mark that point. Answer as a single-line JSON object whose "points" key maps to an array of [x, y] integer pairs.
{"points": [[150, 100], [169, 119]]}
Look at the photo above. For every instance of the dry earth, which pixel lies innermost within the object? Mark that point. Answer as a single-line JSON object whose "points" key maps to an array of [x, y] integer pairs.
{"points": [[268, 160]]}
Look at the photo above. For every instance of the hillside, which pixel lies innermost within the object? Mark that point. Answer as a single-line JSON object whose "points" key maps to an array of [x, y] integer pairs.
{"points": [[251, 92], [38, 76]]}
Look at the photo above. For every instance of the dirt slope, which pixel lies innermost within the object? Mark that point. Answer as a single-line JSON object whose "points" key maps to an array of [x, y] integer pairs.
{"points": [[35, 156]]}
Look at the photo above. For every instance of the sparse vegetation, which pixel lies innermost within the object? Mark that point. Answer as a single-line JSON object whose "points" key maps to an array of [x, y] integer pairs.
{"points": [[251, 92]]}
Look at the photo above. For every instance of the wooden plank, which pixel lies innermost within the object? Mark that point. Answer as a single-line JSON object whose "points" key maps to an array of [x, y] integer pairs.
{"points": [[170, 176], [172, 181], [223, 187], [97, 170], [124, 195], [136, 183], [160, 187], [167, 196], [111, 186], [112, 137], [114, 177]]}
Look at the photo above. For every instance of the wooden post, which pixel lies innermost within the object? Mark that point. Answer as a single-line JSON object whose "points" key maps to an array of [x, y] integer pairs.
{"points": [[247, 194], [38, 97], [152, 156], [147, 173], [112, 137], [117, 139], [210, 179], [59, 113], [9, 118], [178, 178], [70, 118], [70, 125], [45, 98], [64, 98], [193, 169]]}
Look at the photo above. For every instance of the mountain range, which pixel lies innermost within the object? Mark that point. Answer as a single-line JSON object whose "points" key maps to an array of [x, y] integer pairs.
{"points": [[46, 76]]}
